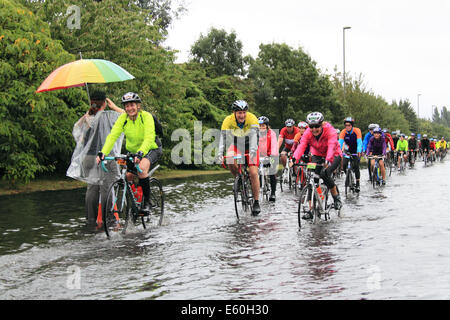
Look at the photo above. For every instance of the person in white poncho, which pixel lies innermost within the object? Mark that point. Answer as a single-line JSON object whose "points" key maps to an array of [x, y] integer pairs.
{"points": [[90, 133]]}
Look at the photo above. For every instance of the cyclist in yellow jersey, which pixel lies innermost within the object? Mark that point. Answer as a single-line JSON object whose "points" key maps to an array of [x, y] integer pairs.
{"points": [[441, 146], [240, 135], [139, 129]]}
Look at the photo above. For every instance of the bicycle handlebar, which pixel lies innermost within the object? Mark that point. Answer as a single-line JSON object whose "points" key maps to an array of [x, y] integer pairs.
{"points": [[126, 157]]}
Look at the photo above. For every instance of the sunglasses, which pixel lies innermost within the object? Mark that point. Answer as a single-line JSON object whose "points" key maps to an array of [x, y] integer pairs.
{"points": [[348, 125], [315, 126]]}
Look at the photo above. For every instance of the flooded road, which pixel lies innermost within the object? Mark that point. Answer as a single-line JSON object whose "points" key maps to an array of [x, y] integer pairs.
{"points": [[390, 243]]}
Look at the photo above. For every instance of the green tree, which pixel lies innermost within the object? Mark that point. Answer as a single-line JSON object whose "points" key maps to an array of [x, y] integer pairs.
{"points": [[367, 107], [162, 12], [408, 112], [288, 85], [436, 117], [219, 53], [35, 131]]}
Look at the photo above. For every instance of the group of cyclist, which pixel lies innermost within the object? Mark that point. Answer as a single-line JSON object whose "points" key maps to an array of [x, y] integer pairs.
{"points": [[316, 140]]}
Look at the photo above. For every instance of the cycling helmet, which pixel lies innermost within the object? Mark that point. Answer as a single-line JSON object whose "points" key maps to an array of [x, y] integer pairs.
{"points": [[130, 97], [289, 123], [402, 135], [350, 120], [302, 124], [377, 130], [425, 135], [372, 126], [385, 130], [314, 118], [338, 131], [263, 119], [413, 134], [240, 105]]}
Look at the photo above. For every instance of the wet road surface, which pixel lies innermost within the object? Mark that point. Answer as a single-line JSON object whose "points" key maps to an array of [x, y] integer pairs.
{"points": [[390, 243]]}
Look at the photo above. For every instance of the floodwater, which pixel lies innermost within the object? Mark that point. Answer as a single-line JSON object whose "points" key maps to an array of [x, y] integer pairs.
{"points": [[389, 243]]}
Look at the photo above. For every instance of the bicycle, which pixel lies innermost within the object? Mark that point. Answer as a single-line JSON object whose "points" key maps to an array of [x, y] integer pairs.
{"points": [[286, 176], [350, 179], [242, 188], [300, 177], [426, 155], [315, 197], [411, 158], [376, 171], [264, 167], [402, 166], [123, 203], [389, 162]]}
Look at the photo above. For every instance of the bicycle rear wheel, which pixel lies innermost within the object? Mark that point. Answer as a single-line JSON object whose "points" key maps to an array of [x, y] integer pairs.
{"points": [[117, 209], [156, 202]]}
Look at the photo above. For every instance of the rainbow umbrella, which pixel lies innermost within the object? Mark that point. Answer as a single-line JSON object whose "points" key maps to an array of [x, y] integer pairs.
{"points": [[80, 72]]}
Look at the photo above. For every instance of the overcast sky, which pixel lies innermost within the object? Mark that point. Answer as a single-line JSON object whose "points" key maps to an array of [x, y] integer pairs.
{"points": [[401, 47]]}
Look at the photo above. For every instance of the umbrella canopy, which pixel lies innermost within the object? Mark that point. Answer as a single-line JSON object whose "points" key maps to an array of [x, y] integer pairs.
{"points": [[80, 72]]}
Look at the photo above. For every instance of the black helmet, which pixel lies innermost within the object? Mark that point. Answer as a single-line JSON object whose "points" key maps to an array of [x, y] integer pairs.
{"points": [[263, 119], [130, 97], [239, 105]]}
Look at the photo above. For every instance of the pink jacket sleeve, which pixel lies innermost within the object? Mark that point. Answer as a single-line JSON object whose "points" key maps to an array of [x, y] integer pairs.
{"points": [[273, 143], [332, 142]]}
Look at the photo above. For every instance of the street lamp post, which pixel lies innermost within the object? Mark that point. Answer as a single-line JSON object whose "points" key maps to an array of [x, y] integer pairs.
{"points": [[343, 32], [418, 96]]}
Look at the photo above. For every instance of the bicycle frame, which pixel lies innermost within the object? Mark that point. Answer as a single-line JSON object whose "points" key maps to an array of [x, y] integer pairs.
{"points": [[314, 195], [377, 169], [243, 175], [350, 166], [264, 173]]}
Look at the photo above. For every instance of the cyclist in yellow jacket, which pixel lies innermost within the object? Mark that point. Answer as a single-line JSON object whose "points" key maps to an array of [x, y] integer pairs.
{"points": [[441, 147], [139, 129], [402, 146], [240, 135]]}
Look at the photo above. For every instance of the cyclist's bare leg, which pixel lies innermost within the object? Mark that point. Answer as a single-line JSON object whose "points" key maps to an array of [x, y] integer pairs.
{"points": [[372, 164], [382, 169], [254, 178], [333, 191], [144, 164], [283, 158]]}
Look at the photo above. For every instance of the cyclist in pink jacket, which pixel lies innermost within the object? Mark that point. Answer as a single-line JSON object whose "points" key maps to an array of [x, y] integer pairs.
{"points": [[324, 147]]}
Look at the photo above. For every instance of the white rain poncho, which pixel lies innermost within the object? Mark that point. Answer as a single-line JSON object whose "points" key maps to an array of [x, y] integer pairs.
{"points": [[90, 134]]}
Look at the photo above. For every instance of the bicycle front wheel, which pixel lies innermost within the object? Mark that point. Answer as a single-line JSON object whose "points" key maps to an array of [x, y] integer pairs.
{"points": [[375, 177], [117, 209], [156, 202], [303, 204]]}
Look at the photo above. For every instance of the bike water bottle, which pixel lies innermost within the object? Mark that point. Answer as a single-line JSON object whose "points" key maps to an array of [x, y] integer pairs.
{"points": [[319, 190]]}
